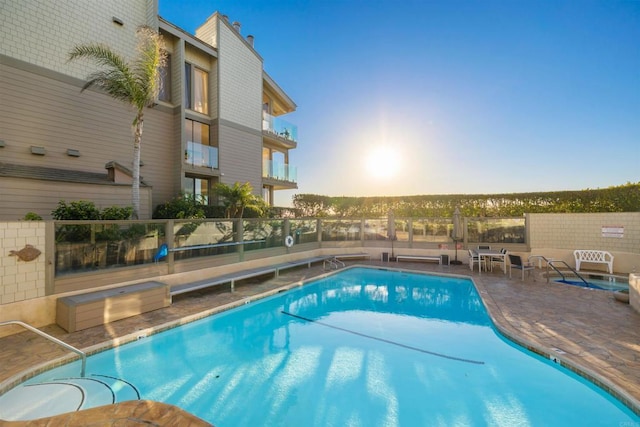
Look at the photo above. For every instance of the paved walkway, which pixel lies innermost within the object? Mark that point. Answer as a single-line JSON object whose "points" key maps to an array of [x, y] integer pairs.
{"points": [[583, 328]]}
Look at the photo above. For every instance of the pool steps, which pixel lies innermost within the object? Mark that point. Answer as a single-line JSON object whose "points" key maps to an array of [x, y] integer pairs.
{"points": [[55, 397]]}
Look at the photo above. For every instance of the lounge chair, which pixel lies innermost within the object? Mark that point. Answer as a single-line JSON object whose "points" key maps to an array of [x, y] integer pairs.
{"points": [[516, 262]]}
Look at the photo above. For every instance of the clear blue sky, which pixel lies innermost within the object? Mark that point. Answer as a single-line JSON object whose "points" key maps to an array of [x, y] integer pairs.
{"points": [[450, 96]]}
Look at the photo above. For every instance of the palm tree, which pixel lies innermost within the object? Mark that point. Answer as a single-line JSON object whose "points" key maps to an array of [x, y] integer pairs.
{"points": [[136, 83], [238, 197]]}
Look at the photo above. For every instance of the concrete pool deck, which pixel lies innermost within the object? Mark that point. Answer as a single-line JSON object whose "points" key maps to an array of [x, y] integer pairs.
{"points": [[577, 326]]}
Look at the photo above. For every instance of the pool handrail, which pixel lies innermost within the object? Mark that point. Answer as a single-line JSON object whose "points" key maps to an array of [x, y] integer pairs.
{"points": [[550, 263], [81, 353]]}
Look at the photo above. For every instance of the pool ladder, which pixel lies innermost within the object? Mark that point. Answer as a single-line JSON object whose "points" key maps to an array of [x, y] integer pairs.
{"points": [[551, 263], [81, 353]]}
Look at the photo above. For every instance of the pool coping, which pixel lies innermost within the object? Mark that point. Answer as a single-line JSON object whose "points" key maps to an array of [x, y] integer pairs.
{"points": [[497, 318]]}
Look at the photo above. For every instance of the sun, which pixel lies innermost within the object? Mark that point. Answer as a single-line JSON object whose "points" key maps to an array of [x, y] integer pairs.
{"points": [[382, 162]]}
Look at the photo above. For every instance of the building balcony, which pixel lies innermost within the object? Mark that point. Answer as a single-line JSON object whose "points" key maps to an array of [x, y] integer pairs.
{"points": [[279, 131], [201, 155], [280, 175]]}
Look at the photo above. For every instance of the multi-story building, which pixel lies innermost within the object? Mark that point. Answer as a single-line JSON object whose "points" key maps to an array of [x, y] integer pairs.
{"points": [[217, 119]]}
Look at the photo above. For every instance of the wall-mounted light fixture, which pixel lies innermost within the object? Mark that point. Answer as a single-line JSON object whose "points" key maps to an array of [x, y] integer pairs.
{"points": [[39, 151], [73, 153], [2, 144], [117, 20]]}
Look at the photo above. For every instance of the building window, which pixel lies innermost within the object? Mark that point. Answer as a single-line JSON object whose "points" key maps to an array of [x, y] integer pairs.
{"points": [[196, 90], [267, 193], [198, 188], [199, 151], [165, 81]]}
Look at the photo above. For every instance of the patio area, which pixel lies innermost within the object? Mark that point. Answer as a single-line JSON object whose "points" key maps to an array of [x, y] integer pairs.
{"points": [[582, 327]]}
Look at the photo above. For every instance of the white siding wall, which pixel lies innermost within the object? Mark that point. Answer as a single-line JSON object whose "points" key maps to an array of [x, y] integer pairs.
{"points": [[240, 157], [42, 32], [40, 111]]}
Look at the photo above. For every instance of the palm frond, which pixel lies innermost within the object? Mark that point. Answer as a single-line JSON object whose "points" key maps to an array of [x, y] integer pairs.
{"points": [[101, 54]]}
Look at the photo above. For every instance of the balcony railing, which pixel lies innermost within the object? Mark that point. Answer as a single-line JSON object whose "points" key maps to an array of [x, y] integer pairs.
{"points": [[279, 171], [279, 127], [201, 155]]}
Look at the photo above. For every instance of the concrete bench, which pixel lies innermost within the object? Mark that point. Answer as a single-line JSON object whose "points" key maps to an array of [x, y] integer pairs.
{"points": [[230, 279], [440, 259], [335, 261], [299, 263], [359, 255], [84, 311], [592, 256]]}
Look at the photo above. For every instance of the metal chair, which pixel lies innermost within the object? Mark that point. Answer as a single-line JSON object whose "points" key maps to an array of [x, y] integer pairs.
{"points": [[498, 260], [474, 258], [515, 261]]}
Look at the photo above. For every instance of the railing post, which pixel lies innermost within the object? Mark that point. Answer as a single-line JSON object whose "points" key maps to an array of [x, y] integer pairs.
{"points": [[286, 231], [168, 232], [240, 237], [51, 260], [410, 225]]}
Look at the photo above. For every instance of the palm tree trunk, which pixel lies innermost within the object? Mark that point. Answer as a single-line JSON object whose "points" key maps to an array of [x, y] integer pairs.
{"points": [[135, 185]]}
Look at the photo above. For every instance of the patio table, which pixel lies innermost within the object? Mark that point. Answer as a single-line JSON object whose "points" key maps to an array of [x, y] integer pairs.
{"points": [[491, 253]]}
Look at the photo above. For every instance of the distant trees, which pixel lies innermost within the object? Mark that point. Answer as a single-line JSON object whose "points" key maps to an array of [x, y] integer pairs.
{"points": [[623, 198]]}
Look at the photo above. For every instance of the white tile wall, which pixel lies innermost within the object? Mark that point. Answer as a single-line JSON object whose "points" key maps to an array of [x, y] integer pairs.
{"points": [[20, 280]]}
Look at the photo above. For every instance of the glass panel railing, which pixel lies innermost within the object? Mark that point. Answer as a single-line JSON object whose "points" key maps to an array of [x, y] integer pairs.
{"points": [[198, 238], [496, 230], [201, 155], [375, 229], [303, 230], [261, 234], [340, 230], [432, 230], [279, 171], [279, 127], [89, 246]]}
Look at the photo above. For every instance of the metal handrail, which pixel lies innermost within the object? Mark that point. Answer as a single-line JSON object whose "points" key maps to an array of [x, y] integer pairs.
{"points": [[215, 245], [550, 263], [81, 353]]}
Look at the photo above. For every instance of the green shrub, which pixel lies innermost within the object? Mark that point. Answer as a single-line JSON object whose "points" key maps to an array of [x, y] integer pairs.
{"points": [[117, 213], [32, 216], [78, 210], [182, 207]]}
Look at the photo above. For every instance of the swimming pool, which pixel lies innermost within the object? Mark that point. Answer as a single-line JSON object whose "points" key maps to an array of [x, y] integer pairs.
{"points": [[364, 347]]}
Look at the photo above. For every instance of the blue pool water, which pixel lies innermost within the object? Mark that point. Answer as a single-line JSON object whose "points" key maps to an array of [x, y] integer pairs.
{"points": [[613, 284], [364, 347]]}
